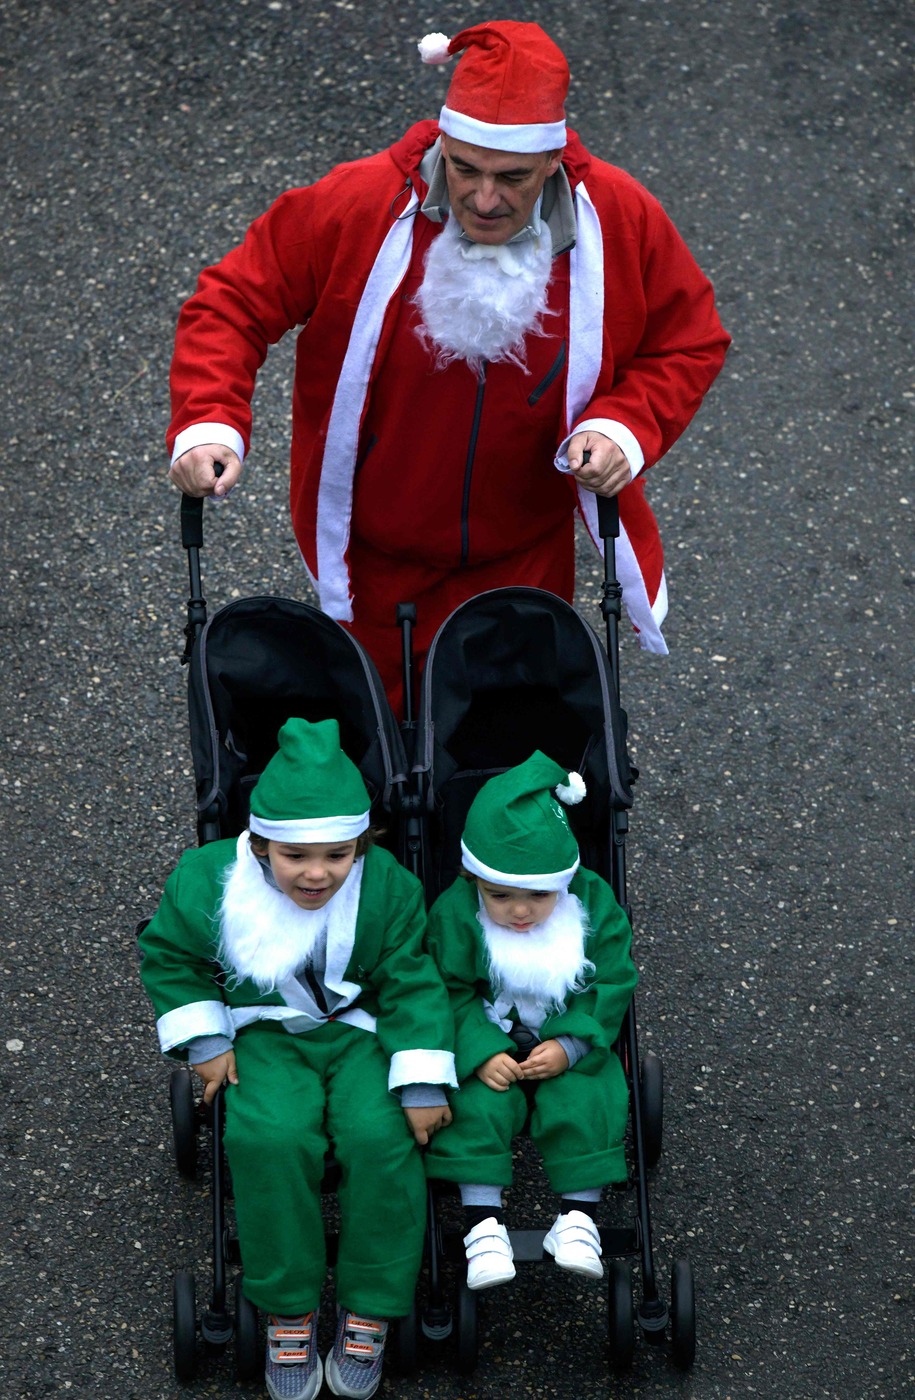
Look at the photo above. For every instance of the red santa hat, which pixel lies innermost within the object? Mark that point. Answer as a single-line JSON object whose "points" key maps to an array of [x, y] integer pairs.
{"points": [[509, 89]]}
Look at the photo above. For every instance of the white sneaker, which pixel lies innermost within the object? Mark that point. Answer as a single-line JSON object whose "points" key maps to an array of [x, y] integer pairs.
{"points": [[574, 1242], [489, 1255]]}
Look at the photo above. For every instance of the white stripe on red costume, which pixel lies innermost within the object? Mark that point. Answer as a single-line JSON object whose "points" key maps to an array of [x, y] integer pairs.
{"points": [[335, 493], [586, 322]]}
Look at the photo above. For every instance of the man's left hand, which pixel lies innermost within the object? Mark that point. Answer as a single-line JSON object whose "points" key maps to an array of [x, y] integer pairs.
{"points": [[608, 470]]}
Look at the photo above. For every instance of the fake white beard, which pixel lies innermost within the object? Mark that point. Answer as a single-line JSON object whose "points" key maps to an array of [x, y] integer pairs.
{"points": [[544, 965], [264, 935], [478, 306]]}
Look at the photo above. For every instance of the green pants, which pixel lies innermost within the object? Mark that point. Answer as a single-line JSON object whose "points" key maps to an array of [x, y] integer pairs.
{"points": [[295, 1095], [578, 1125]]}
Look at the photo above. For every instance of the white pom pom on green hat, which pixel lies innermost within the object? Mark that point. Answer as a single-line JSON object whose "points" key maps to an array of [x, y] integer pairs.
{"points": [[310, 791], [517, 833]]}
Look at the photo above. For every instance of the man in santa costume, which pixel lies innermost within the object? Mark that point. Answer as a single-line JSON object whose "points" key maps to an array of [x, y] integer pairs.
{"points": [[290, 963], [482, 305], [532, 948]]}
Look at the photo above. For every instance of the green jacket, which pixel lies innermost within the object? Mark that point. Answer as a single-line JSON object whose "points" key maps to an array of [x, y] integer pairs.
{"points": [[456, 942], [391, 985]]}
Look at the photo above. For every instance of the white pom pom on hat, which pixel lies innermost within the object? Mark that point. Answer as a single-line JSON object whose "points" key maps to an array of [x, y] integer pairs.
{"points": [[573, 792], [434, 48]]}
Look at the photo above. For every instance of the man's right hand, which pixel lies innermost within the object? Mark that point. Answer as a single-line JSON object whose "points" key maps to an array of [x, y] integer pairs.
{"points": [[195, 474]]}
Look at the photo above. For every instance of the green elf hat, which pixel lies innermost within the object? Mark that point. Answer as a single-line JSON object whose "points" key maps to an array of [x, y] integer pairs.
{"points": [[310, 790], [517, 833]]}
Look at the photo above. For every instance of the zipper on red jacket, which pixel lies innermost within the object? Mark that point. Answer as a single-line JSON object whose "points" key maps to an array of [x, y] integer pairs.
{"points": [[468, 467], [544, 384]]}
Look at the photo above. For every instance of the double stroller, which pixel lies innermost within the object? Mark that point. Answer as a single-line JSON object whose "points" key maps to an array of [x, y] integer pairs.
{"points": [[510, 671]]}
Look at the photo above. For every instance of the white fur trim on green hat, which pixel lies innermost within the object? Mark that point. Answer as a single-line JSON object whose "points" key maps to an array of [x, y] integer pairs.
{"points": [[313, 829], [554, 880]]}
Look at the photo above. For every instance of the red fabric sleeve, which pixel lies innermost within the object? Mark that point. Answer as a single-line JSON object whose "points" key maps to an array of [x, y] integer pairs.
{"points": [[664, 343], [242, 305]]}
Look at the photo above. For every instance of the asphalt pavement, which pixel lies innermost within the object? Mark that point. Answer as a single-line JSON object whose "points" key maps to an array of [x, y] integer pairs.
{"points": [[770, 853]]}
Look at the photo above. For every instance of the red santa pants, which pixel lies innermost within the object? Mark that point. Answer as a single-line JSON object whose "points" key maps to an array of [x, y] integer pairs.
{"points": [[380, 582]]}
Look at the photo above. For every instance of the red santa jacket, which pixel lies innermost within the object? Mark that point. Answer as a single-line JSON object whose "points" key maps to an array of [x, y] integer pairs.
{"points": [[635, 315]]}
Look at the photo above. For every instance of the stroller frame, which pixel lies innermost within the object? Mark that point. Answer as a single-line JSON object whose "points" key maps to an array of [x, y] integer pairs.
{"points": [[653, 1317], [408, 800]]}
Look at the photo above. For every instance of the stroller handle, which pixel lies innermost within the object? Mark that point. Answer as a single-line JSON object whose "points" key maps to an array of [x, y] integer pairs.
{"points": [[608, 517], [192, 522], [608, 527], [192, 515], [192, 542], [608, 509]]}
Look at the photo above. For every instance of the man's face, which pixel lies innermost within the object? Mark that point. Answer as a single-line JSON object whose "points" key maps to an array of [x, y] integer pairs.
{"points": [[493, 193]]}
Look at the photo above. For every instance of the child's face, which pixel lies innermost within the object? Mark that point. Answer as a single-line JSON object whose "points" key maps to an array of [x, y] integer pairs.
{"points": [[520, 910], [311, 873]]}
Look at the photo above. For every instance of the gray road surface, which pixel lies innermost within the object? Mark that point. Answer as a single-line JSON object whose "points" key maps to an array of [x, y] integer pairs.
{"points": [[770, 859]]}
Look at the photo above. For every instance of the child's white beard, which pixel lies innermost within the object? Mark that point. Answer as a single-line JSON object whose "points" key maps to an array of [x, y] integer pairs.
{"points": [[544, 965], [479, 306], [264, 935]]}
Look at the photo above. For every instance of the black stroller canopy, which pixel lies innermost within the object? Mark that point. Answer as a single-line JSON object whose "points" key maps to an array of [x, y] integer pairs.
{"points": [[261, 661], [511, 671]]}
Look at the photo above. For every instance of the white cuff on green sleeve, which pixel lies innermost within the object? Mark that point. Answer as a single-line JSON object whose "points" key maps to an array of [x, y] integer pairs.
{"points": [[197, 1018], [422, 1067]]}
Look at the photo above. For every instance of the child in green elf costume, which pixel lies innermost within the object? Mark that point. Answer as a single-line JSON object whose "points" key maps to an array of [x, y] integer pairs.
{"points": [[529, 940], [290, 963]]}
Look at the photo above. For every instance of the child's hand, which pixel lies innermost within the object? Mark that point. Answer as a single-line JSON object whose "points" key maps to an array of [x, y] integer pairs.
{"points": [[499, 1071], [214, 1073], [425, 1121], [546, 1061]]}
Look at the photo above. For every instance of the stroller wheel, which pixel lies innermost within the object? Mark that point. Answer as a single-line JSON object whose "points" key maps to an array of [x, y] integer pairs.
{"points": [[247, 1350], [405, 1340], [683, 1314], [184, 1122], [468, 1337], [651, 1080], [621, 1315], [184, 1326]]}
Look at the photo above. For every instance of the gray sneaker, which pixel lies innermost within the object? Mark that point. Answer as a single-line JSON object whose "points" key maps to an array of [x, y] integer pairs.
{"points": [[353, 1368], [293, 1370]]}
